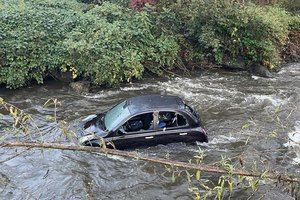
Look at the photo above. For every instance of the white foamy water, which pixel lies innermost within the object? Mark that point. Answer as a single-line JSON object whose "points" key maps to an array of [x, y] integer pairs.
{"points": [[292, 69], [102, 94], [199, 90], [136, 88], [273, 99], [294, 142]]}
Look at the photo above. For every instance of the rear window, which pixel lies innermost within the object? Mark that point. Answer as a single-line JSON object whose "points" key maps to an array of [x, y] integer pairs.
{"points": [[190, 110]]}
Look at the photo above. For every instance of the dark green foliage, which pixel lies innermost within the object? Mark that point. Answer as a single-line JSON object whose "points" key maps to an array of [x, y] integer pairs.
{"points": [[291, 50], [32, 38], [226, 31], [295, 23], [117, 44], [106, 44], [290, 5]]}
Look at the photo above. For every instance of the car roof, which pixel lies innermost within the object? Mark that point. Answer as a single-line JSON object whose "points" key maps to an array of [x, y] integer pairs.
{"points": [[152, 102]]}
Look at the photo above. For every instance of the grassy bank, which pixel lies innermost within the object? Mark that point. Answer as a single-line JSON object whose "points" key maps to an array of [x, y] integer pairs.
{"points": [[118, 40]]}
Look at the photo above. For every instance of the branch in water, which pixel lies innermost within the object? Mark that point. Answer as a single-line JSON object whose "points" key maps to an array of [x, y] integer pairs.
{"points": [[204, 168]]}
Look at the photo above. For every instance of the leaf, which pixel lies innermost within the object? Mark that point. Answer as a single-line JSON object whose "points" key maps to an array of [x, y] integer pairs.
{"points": [[173, 177], [48, 103], [219, 194], [13, 111], [198, 173], [230, 186], [205, 187], [254, 184], [274, 134], [16, 121], [188, 175], [245, 126], [247, 141], [278, 119]]}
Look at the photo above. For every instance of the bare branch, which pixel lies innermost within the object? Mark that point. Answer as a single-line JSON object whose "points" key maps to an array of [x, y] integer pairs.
{"points": [[201, 167]]}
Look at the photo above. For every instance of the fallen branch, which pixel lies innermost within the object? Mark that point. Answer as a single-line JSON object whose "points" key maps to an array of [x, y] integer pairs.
{"points": [[204, 168]]}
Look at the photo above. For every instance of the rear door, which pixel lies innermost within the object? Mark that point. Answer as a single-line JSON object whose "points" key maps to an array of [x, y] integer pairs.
{"points": [[172, 127]]}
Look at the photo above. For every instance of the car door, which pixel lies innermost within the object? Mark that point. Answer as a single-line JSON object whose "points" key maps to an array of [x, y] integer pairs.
{"points": [[139, 130], [175, 127]]}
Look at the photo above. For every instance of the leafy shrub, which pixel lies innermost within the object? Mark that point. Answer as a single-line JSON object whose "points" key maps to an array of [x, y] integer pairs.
{"points": [[106, 44], [291, 50], [227, 31], [295, 23], [31, 40], [119, 46]]}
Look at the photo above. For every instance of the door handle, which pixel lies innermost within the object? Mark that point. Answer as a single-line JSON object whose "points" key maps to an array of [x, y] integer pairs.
{"points": [[182, 133], [149, 137]]}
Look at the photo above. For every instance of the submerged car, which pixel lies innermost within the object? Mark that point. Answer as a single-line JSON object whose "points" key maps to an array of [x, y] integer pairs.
{"points": [[143, 121]]}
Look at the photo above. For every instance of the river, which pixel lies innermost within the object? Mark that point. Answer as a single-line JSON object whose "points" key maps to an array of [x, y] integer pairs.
{"points": [[254, 118]]}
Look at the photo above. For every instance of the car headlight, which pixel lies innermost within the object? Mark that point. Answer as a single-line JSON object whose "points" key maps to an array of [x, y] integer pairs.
{"points": [[86, 138]]}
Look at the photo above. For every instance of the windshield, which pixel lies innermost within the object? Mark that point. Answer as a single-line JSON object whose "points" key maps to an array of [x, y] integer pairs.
{"points": [[116, 115]]}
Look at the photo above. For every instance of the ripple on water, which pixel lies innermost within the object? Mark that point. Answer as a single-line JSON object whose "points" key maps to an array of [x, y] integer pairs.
{"points": [[102, 94]]}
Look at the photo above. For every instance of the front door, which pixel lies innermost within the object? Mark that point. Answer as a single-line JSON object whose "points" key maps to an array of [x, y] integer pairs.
{"points": [[136, 131]]}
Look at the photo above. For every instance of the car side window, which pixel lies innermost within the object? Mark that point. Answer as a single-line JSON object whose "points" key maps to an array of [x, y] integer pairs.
{"points": [[171, 120], [139, 123], [181, 121]]}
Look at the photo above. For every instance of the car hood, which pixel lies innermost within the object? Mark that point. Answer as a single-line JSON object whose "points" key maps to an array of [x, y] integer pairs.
{"points": [[91, 125]]}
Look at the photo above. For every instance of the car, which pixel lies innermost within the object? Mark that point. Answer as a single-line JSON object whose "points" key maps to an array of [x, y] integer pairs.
{"points": [[143, 121]]}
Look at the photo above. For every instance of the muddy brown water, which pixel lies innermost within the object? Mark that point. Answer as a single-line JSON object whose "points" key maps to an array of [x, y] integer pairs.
{"points": [[247, 116]]}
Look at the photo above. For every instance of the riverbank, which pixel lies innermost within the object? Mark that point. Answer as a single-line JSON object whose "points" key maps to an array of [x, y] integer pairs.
{"points": [[117, 41]]}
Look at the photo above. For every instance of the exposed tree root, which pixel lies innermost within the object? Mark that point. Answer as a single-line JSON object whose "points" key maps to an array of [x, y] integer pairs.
{"points": [[190, 166]]}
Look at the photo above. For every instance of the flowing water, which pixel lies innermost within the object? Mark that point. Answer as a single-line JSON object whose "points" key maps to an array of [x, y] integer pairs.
{"points": [[254, 118]]}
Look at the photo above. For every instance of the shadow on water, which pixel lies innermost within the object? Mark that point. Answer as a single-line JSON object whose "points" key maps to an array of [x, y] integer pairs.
{"points": [[247, 116]]}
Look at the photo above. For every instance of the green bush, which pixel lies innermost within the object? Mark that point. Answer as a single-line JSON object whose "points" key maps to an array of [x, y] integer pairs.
{"points": [[31, 40], [110, 43], [295, 23], [227, 31], [119, 45], [106, 44]]}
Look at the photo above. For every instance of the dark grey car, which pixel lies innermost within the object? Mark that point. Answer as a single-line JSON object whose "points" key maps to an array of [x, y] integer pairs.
{"points": [[143, 121]]}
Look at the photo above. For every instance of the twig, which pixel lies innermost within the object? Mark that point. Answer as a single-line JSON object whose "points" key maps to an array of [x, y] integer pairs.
{"points": [[12, 157], [204, 168]]}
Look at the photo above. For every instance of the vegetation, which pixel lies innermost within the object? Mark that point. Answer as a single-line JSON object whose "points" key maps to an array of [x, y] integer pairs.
{"points": [[116, 40]]}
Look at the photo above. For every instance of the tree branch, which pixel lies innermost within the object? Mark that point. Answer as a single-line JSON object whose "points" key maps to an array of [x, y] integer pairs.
{"points": [[190, 166]]}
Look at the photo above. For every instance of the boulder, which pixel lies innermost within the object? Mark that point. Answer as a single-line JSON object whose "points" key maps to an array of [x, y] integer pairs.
{"points": [[260, 70], [80, 86], [65, 77]]}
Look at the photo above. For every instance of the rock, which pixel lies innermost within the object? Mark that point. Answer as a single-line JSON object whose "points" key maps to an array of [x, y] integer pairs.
{"points": [[260, 70], [80, 86], [233, 67], [65, 77], [237, 64]]}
